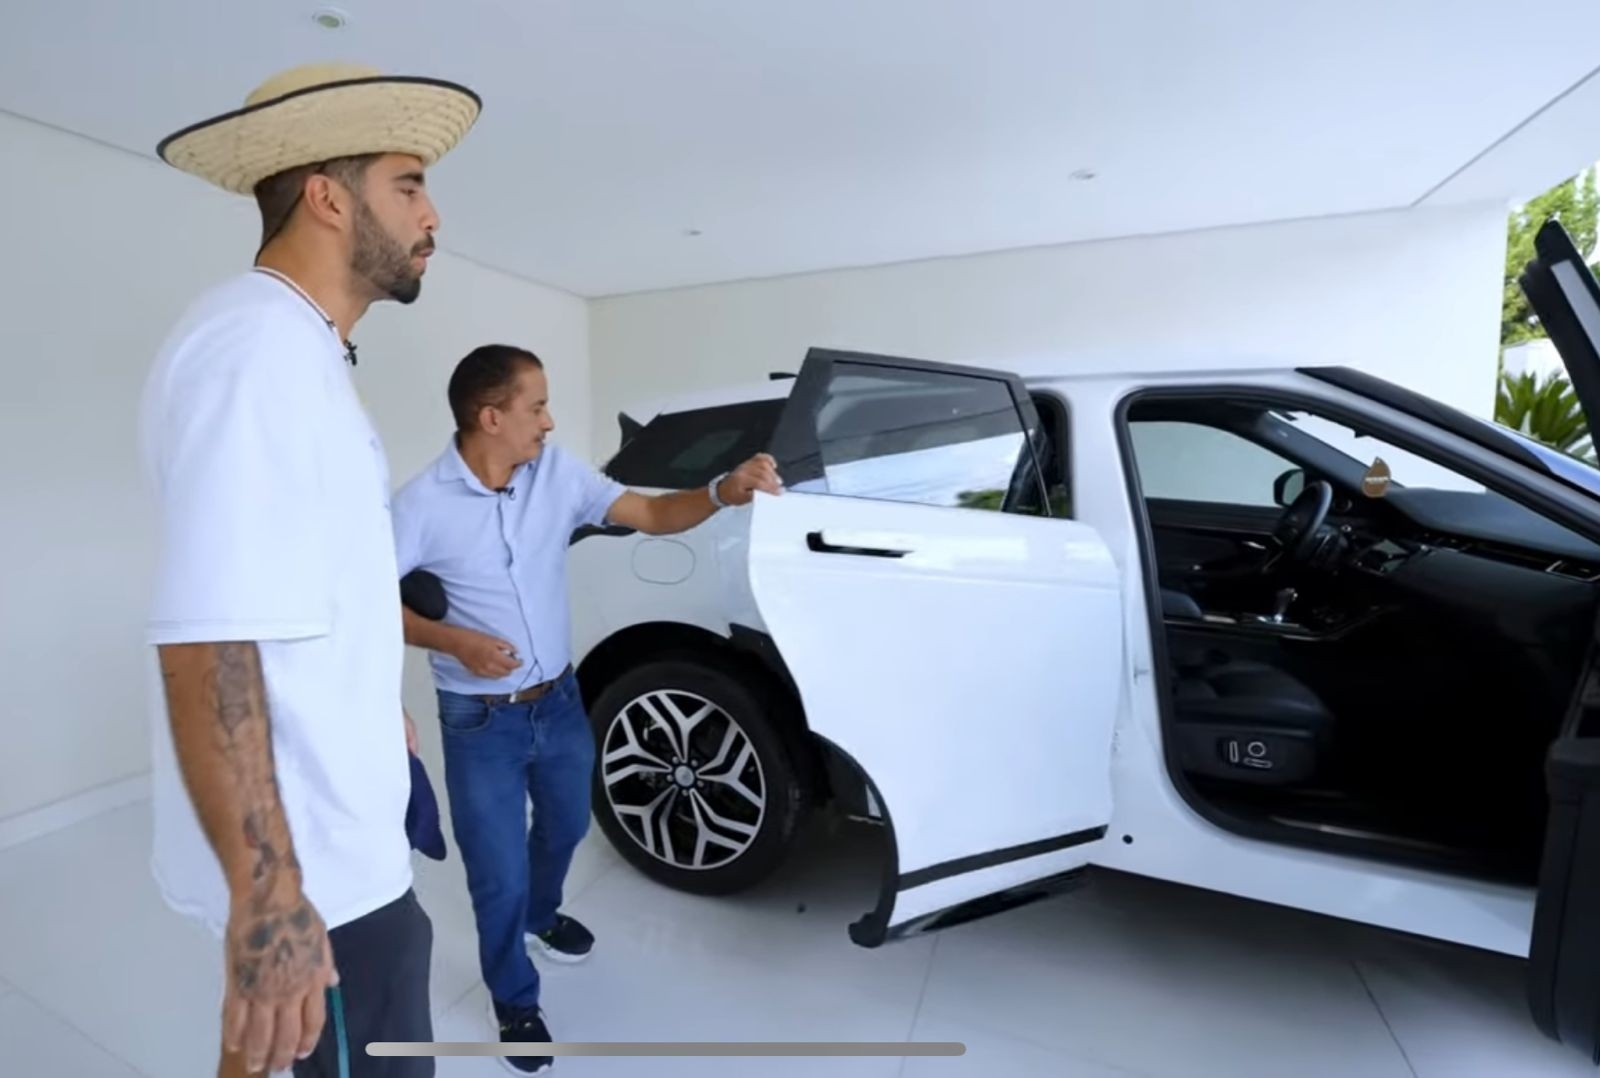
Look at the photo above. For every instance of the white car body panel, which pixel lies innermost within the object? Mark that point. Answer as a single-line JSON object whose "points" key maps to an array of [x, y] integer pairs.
{"points": [[614, 595], [918, 671], [749, 570]]}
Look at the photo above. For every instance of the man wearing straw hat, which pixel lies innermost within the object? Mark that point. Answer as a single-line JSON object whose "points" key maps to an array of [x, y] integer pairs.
{"points": [[280, 769]]}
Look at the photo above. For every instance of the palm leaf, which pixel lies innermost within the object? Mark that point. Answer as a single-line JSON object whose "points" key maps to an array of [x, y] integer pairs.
{"points": [[1545, 409]]}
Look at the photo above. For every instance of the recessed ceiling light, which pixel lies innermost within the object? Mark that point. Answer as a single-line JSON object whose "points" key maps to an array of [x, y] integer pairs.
{"points": [[330, 18], [1084, 175]]}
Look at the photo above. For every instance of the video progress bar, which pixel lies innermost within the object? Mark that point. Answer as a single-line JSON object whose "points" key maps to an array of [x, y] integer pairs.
{"points": [[673, 1049]]}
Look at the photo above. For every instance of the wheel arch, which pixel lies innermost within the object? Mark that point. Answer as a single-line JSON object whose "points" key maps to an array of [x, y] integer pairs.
{"points": [[746, 653], [626, 648], [831, 773]]}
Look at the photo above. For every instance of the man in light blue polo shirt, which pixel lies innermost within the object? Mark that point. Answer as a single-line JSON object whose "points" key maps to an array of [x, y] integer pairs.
{"points": [[491, 518]]}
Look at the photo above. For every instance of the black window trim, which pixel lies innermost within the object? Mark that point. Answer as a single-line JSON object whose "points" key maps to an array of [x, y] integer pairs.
{"points": [[1053, 400], [1414, 404]]}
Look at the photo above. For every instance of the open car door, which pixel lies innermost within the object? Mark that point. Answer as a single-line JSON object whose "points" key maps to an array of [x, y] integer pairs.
{"points": [[1564, 957], [956, 642]]}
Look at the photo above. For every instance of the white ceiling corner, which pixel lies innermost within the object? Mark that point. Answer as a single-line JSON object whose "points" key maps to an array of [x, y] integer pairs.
{"points": [[799, 137]]}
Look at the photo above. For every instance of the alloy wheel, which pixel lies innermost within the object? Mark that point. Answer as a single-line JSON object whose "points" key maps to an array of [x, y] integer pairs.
{"points": [[683, 779]]}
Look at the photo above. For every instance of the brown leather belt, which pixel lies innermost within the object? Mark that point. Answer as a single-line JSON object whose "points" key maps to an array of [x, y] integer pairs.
{"points": [[528, 695]]}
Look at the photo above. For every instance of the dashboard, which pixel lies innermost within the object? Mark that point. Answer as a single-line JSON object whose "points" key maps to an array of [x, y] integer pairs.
{"points": [[1384, 555], [1530, 597], [1492, 525]]}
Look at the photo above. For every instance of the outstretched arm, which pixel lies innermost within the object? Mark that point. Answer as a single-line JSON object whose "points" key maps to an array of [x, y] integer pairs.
{"points": [[668, 514]]}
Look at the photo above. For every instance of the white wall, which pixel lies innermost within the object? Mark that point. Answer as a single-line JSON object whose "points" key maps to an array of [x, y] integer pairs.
{"points": [[1538, 356], [1414, 296], [102, 251]]}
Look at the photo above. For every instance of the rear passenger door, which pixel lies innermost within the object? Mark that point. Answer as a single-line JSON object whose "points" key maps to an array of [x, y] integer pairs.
{"points": [[958, 643]]}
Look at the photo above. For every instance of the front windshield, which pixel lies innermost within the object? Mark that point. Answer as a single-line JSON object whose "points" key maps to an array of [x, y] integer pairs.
{"points": [[1579, 473], [1222, 455], [1410, 470], [1365, 453]]}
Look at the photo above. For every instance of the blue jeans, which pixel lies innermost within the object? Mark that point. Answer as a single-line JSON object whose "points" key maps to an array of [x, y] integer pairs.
{"points": [[497, 759]]}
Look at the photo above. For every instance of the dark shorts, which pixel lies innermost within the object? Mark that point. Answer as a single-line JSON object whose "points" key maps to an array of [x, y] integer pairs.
{"points": [[383, 960]]}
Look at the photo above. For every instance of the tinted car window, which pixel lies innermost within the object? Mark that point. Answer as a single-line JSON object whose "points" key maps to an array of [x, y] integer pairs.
{"points": [[926, 437], [684, 450]]}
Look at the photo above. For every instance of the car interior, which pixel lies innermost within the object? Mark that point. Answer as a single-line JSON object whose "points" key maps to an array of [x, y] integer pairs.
{"points": [[1353, 662]]}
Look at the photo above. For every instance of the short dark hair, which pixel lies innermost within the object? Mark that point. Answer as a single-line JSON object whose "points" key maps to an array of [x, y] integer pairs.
{"points": [[486, 378], [277, 196]]}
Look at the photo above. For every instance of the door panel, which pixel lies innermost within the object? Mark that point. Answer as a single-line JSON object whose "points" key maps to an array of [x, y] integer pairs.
{"points": [[974, 678], [1216, 554], [1250, 520], [1193, 539], [1564, 956], [946, 633]]}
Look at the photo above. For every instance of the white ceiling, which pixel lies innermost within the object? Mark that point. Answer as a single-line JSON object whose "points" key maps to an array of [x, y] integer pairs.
{"points": [[803, 136]]}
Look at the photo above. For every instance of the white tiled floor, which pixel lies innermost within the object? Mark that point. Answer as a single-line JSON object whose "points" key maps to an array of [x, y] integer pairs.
{"points": [[32, 1035], [1125, 977]]}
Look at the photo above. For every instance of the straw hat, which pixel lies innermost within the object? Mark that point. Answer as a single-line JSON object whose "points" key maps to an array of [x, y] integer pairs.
{"points": [[319, 112]]}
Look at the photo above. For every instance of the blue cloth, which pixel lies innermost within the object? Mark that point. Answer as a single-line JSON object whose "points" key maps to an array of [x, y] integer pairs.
{"points": [[422, 814], [496, 759], [501, 556]]}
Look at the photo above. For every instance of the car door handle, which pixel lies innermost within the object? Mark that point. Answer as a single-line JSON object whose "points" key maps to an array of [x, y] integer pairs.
{"points": [[817, 543]]}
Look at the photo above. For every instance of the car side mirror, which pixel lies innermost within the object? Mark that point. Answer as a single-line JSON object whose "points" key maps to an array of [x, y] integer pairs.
{"points": [[1289, 486]]}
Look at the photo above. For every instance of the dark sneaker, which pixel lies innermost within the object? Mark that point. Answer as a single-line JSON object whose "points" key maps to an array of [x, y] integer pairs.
{"points": [[522, 1025], [565, 941]]}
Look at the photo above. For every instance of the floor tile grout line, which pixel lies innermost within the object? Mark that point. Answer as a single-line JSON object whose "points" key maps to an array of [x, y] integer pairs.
{"points": [[1075, 1055], [462, 998], [576, 895], [922, 998], [70, 1024], [586, 888], [1065, 1054], [67, 799], [1373, 996]]}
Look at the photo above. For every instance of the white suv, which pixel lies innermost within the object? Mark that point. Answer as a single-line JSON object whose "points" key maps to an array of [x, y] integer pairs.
{"points": [[1297, 635]]}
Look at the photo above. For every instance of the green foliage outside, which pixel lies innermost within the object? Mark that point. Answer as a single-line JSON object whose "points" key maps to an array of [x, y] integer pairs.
{"points": [[995, 500], [1544, 408], [1576, 204]]}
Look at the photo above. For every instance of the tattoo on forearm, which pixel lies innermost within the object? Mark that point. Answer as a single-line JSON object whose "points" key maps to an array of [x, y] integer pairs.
{"points": [[236, 698], [276, 936], [234, 685], [266, 854]]}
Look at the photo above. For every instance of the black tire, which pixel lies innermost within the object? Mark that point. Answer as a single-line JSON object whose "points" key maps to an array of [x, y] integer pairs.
{"points": [[743, 701]]}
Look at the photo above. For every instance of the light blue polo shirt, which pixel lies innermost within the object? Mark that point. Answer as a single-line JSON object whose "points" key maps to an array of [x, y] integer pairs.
{"points": [[501, 556]]}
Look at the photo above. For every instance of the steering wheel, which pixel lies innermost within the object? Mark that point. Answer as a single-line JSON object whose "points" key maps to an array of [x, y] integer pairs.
{"points": [[1296, 531]]}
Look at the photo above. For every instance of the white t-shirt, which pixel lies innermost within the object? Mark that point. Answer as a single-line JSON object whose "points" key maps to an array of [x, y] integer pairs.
{"points": [[272, 497]]}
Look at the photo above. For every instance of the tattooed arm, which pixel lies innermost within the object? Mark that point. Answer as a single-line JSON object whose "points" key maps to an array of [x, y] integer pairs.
{"points": [[278, 960]]}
